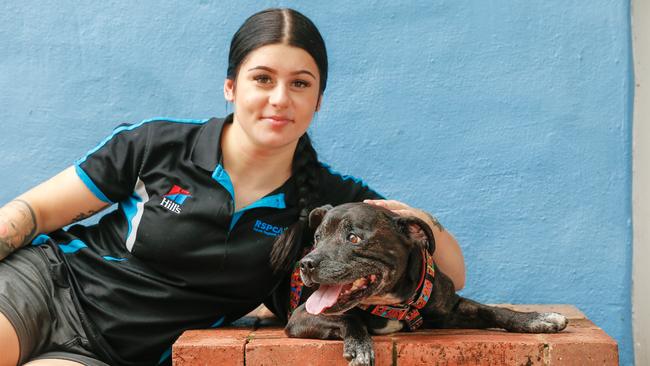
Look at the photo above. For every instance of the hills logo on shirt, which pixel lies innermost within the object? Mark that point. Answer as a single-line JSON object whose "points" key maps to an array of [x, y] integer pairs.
{"points": [[175, 198]]}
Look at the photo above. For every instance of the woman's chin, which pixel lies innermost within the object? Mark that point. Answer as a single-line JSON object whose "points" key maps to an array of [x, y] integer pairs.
{"points": [[272, 138]]}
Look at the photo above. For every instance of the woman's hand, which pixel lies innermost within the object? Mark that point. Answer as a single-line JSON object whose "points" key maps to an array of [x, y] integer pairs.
{"points": [[448, 256], [403, 209]]}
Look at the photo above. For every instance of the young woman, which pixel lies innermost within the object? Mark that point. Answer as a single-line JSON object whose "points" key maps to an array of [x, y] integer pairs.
{"points": [[211, 216]]}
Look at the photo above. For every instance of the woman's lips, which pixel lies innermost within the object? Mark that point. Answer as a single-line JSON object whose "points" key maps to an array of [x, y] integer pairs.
{"points": [[278, 121]]}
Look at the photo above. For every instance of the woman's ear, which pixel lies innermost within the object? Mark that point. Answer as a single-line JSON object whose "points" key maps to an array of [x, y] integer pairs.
{"points": [[229, 90], [320, 99]]}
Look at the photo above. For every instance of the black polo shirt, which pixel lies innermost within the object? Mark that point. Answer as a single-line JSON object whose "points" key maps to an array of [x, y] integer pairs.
{"points": [[175, 254]]}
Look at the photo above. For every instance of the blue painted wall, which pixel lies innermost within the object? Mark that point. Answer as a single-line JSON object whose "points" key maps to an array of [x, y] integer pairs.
{"points": [[510, 120]]}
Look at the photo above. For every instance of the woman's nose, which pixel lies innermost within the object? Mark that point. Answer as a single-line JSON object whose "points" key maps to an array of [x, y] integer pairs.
{"points": [[279, 96]]}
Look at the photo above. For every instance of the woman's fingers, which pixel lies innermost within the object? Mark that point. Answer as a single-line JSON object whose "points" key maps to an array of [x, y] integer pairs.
{"points": [[389, 204], [400, 208]]}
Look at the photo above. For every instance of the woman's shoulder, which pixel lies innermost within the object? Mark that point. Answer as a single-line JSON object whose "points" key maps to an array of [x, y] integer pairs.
{"points": [[162, 130], [160, 123], [331, 175], [336, 187]]}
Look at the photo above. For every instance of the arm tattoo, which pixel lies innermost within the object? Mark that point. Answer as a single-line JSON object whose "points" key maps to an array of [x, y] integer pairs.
{"points": [[435, 222], [17, 226], [82, 215]]}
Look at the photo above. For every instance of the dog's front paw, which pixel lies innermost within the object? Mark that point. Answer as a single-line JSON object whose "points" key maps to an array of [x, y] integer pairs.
{"points": [[546, 323], [359, 352]]}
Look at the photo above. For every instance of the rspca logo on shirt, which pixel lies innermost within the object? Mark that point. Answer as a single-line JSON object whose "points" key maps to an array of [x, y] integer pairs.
{"points": [[175, 198], [267, 229]]}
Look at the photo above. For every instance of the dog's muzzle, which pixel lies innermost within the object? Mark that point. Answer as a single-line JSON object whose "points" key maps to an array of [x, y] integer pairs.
{"points": [[308, 266]]}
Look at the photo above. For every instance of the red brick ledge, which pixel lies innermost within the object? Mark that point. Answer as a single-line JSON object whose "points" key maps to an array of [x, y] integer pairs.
{"points": [[257, 341]]}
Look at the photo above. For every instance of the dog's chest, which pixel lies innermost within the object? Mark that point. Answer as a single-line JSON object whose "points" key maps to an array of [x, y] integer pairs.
{"points": [[381, 326]]}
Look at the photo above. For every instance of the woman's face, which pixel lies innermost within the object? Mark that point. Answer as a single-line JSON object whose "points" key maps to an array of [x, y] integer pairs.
{"points": [[275, 95]]}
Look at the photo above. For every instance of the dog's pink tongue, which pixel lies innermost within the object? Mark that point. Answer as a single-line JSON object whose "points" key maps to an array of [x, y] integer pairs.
{"points": [[324, 297]]}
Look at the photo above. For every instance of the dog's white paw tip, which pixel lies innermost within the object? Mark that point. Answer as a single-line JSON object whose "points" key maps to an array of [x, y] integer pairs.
{"points": [[550, 322], [361, 361], [360, 356]]}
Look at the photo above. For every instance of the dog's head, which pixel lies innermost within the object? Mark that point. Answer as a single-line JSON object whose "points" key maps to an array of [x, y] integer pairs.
{"points": [[361, 253]]}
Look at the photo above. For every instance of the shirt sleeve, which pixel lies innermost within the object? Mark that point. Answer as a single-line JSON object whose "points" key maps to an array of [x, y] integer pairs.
{"points": [[111, 169], [337, 188]]}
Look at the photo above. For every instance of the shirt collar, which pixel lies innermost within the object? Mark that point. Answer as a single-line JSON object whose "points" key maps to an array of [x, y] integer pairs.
{"points": [[206, 152]]}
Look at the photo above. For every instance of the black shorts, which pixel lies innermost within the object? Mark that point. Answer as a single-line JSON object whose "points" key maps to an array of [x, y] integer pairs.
{"points": [[35, 297]]}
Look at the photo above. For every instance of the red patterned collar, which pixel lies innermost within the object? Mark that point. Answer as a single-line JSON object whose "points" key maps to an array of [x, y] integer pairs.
{"points": [[409, 311], [296, 284]]}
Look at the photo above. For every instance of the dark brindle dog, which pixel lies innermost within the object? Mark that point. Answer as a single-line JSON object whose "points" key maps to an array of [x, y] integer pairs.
{"points": [[375, 273]]}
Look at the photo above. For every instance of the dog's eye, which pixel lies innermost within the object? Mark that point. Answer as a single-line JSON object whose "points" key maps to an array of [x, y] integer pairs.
{"points": [[316, 238], [352, 238]]}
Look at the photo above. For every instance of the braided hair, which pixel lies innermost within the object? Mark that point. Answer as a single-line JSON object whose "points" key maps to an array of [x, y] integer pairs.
{"points": [[287, 246]]}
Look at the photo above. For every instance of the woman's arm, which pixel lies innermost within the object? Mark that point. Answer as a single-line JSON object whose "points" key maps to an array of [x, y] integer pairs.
{"points": [[448, 256], [55, 203]]}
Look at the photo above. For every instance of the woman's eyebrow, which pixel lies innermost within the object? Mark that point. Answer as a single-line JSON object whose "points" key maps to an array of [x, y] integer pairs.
{"points": [[304, 72], [271, 70]]}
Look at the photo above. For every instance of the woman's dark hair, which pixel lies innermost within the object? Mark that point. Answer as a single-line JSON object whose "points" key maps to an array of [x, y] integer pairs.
{"points": [[287, 26], [287, 246], [277, 26]]}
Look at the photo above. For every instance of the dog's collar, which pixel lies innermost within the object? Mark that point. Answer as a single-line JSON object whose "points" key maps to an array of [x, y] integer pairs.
{"points": [[409, 312], [296, 289], [296, 285]]}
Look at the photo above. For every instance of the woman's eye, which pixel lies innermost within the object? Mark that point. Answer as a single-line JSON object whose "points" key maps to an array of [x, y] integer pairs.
{"points": [[301, 84], [262, 79], [352, 238]]}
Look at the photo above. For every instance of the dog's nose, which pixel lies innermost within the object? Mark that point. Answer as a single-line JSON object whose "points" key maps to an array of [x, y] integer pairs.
{"points": [[307, 265]]}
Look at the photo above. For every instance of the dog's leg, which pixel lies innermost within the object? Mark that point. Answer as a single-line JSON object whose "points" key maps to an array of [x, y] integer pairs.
{"points": [[357, 344], [471, 314]]}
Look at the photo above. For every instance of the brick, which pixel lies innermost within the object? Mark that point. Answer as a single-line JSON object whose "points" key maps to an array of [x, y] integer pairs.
{"points": [[480, 348], [576, 354], [271, 332], [309, 352], [210, 347], [583, 343]]}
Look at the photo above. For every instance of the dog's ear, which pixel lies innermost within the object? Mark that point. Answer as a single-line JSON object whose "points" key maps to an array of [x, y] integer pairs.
{"points": [[316, 216], [417, 230]]}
